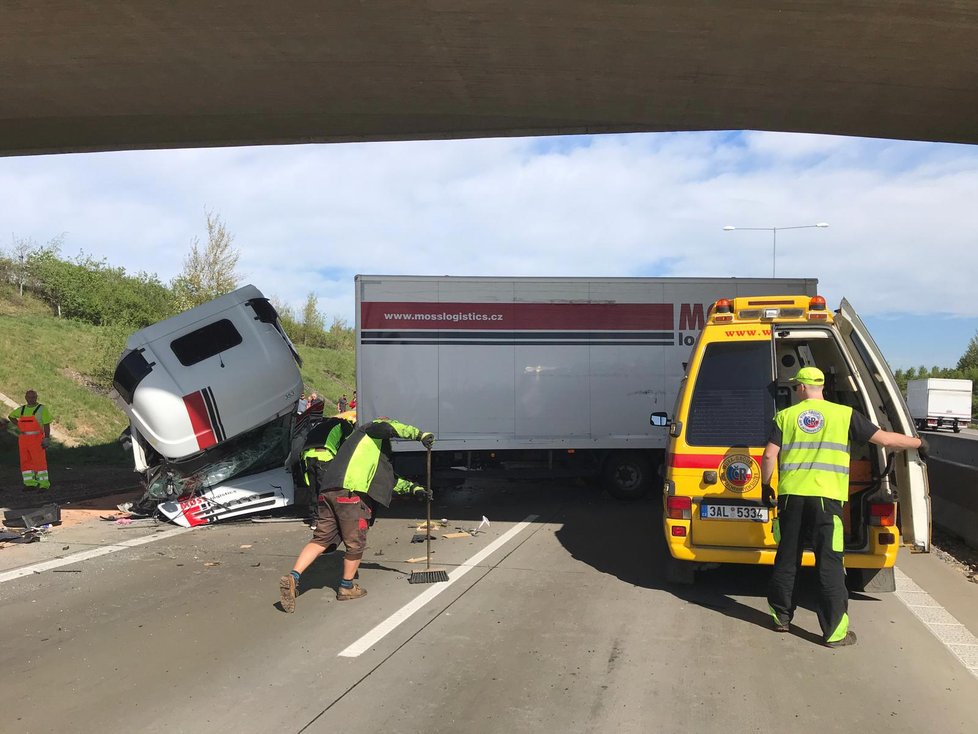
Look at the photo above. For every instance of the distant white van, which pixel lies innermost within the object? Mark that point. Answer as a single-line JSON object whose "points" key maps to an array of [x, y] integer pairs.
{"points": [[211, 397]]}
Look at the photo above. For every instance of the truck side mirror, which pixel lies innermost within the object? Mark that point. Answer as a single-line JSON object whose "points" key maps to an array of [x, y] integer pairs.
{"points": [[659, 419]]}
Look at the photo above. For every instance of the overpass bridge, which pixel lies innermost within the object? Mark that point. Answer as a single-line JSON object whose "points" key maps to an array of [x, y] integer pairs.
{"points": [[135, 74]]}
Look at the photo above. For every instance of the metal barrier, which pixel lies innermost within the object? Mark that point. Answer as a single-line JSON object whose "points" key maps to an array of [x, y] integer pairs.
{"points": [[953, 474]]}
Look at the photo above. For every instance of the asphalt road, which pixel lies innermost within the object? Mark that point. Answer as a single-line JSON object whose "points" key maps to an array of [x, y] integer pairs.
{"points": [[567, 626]]}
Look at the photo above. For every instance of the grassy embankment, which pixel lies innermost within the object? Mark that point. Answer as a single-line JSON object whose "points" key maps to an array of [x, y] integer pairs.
{"points": [[70, 365]]}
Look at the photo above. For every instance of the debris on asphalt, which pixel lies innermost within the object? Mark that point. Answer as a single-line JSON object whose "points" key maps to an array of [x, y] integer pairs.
{"points": [[212, 563], [422, 537], [435, 525], [463, 534], [419, 559]]}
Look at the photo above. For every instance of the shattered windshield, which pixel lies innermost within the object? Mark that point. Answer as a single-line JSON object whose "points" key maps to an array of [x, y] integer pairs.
{"points": [[259, 449]]}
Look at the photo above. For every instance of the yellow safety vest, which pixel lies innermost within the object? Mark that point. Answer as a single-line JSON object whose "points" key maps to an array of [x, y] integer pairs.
{"points": [[814, 456]]}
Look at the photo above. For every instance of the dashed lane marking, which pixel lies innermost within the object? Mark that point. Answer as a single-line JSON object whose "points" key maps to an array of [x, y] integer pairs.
{"points": [[86, 555], [381, 630], [955, 636]]}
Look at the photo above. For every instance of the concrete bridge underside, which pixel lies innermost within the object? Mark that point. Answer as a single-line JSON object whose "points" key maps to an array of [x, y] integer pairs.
{"points": [[120, 74]]}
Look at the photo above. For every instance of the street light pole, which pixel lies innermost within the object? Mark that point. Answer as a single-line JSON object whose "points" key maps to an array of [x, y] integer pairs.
{"points": [[774, 241]]}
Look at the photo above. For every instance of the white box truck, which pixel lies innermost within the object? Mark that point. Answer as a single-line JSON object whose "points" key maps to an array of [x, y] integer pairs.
{"points": [[940, 403], [535, 376]]}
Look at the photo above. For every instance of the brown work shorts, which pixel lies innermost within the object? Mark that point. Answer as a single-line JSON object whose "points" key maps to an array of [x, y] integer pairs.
{"points": [[342, 515]]}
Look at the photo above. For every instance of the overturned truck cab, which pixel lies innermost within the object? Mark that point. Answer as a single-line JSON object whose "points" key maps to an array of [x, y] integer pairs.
{"points": [[211, 397]]}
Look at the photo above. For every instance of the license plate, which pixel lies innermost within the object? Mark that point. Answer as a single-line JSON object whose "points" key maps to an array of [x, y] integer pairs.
{"points": [[734, 512]]}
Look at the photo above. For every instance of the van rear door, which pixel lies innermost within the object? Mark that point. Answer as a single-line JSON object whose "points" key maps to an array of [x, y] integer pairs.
{"points": [[913, 490]]}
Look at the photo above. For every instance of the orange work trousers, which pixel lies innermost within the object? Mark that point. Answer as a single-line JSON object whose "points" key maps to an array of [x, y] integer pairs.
{"points": [[33, 457]]}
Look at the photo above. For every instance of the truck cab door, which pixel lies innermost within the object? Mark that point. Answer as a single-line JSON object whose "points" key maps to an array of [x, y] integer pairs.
{"points": [[913, 488]]}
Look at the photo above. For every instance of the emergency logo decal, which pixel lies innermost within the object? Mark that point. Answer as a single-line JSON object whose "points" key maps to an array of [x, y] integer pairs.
{"points": [[811, 421], [739, 473]]}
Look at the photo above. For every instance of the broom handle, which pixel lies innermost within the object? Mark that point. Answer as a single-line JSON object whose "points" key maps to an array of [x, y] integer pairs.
{"points": [[427, 533]]}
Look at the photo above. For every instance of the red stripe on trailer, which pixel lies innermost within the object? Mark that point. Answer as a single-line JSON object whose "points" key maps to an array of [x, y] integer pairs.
{"points": [[199, 420], [503, 316]]}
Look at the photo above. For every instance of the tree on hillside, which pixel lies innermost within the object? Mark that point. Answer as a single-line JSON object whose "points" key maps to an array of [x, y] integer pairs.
{"points": [[969, 360], [22, 251], [209, 273], [313, 323]]}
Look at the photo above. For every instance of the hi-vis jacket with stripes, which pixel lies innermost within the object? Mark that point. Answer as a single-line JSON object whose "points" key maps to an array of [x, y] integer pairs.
{"points": [[814, 456], [363, 462]]}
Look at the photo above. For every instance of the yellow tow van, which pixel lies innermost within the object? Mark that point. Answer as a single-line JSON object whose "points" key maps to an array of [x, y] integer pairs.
{"points": [[736, 379]]}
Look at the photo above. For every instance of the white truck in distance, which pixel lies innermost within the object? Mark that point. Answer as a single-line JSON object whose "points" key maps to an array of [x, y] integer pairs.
{"points": [[940, 403], [535, 377]]}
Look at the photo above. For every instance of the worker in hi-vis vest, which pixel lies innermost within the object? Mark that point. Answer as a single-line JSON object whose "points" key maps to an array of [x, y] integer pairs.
{"points": [[321, 445], [348, 487], [32, 424], [809, 444]]}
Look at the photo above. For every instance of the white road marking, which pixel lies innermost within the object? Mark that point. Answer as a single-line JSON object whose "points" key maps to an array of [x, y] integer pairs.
{"points": [[953, 635], [86, 555], [381, 630]]}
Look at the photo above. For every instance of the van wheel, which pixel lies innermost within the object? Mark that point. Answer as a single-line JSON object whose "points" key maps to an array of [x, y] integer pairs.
{"points": [[680, 573], [627, 475], [873, 580]]}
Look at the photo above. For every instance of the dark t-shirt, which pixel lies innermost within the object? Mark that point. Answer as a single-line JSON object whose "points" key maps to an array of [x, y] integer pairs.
{"points": [[860, 430]]}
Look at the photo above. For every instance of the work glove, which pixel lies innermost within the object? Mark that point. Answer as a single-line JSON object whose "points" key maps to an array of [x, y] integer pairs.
{"points": [[45, 442], [420, 493], [427, 440], [768, 497], [924, 449]]}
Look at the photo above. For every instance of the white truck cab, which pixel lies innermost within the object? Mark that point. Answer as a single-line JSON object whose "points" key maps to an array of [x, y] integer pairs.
{"points": [[211, 397]]}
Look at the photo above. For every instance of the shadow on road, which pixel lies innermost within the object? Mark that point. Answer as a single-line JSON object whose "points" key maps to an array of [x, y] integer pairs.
{"points": [[625, 540]]}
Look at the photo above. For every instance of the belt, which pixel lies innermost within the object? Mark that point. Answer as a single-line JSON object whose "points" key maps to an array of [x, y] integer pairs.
{"points": [[30, 433]]}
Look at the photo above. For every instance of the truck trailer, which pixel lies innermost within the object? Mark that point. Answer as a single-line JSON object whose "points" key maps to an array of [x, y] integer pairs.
{"points": [[940, 403], [535, 377]]}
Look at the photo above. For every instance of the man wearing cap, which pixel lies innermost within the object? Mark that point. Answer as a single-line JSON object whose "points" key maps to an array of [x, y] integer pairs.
{"points": [[811, 439]]}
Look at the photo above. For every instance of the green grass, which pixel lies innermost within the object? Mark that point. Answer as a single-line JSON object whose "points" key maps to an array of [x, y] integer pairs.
{"points": [[70, 364], [328, 372]]}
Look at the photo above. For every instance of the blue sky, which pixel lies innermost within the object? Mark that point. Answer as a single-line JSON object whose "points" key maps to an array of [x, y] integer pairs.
{"points": [[902, 245]]}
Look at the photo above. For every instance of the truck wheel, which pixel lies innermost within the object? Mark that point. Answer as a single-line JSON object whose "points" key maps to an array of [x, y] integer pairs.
{"points": [[873, 580], [628, 475], [957, 427]]}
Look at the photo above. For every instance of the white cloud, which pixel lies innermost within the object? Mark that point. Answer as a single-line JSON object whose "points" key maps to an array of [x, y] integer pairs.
{"points": [[306, 218]]}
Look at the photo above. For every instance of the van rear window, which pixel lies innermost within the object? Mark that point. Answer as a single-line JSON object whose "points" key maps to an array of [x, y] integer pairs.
{"points": [[205, 342], [733, 398]]}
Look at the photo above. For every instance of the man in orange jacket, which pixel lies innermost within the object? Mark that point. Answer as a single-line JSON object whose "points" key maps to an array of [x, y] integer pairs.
{"points": [[33, 428]]}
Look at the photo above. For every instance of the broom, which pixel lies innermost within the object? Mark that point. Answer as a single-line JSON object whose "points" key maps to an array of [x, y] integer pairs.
{"points": [[429, 575]]}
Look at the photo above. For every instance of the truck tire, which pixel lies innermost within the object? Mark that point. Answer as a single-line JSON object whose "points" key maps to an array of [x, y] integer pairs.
{"points": [[873, 580], [957, 427], [628, 475]]}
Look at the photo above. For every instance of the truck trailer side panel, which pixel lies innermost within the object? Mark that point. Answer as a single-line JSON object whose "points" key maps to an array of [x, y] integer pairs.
{"points": [[521, 363]]}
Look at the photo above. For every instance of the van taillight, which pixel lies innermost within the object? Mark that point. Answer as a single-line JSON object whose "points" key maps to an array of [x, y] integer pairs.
{"points": [[882, 514], [679, 508]]}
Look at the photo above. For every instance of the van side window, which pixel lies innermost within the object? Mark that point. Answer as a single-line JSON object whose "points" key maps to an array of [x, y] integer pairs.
{"points": [[205, 342], [733, 399]]}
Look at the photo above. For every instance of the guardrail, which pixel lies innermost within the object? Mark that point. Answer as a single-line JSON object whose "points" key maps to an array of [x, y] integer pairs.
{"points": [[953, 474]]}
